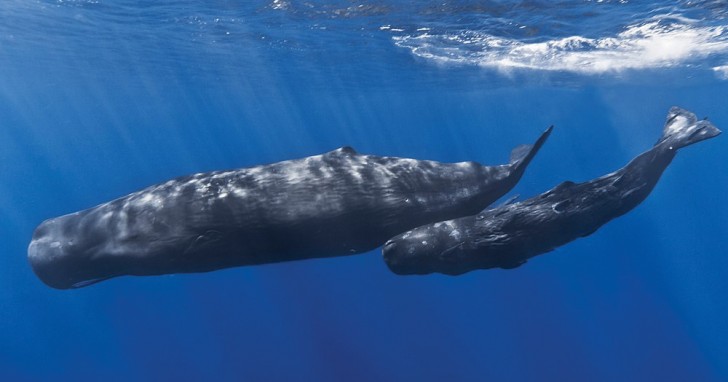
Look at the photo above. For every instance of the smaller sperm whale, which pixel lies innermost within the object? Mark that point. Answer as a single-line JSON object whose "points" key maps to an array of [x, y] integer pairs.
{"points": [[507, 236], [335, 204]]}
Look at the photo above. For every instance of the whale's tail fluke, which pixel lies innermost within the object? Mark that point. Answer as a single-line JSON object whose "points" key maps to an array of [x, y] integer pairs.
{"points": [[683, 128], [522, 155]]}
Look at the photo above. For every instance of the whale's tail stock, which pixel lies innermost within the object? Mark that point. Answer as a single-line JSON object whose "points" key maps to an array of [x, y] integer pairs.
{"points": [[522, 155], [683, 128]]}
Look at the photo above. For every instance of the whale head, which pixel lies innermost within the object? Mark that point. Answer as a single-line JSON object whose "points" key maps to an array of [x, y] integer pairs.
{"points": [[63, 259]]}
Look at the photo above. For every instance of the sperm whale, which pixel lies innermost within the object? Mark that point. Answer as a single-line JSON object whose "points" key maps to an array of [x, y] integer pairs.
{"points": [[333, 204], [507, 236]]}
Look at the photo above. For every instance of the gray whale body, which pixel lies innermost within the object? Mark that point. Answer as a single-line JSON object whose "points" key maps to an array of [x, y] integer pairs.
{"points": [[507, 236], [333, 204]]}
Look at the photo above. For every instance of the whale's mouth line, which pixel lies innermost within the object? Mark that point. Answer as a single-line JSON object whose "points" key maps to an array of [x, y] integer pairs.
{"points": [[84, 283]]}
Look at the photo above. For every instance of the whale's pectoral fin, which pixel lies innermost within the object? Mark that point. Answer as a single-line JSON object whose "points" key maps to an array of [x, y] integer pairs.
{"points": [[522, 155], [512, 200], [561, 206], [562, 188]]}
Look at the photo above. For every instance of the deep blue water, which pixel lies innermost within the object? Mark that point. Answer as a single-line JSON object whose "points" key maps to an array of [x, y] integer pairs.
{"points": [[101, 98]]}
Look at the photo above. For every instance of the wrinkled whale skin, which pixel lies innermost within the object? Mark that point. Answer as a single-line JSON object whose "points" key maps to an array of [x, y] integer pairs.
{"points": [[507, 236], [333, 204]]}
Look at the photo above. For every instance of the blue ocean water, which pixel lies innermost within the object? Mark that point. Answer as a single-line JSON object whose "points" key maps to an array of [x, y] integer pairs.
{"points": [[101, 98]]}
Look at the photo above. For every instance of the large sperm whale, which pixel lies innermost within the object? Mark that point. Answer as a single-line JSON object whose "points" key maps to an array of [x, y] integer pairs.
{"points": [[332, 204], [507, 236]]}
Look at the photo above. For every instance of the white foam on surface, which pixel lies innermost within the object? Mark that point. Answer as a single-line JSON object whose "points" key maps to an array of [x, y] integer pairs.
{"points": [[648, 45]]}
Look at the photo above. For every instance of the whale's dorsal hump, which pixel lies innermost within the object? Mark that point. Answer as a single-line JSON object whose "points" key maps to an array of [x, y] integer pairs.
{"points": [[344, 150]]}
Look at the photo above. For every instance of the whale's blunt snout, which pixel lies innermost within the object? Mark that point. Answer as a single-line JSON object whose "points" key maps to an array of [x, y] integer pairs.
{"points": [[55, 259], [389, 246], [389, 250], [395, 256], [47, 256]]}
